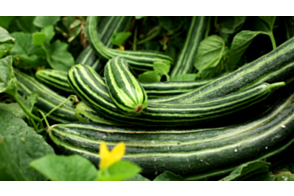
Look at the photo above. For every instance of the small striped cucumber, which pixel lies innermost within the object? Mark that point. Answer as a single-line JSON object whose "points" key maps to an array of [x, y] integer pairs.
{"points": [[124, 89]]}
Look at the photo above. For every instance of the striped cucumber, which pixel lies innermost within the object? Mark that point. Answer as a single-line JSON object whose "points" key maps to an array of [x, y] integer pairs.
{"points": [[196, 33], [241, 77], [47, 100], [193, 153], [58, 79], [55, 78], [124, 89], [90, 87], [140, 60]]}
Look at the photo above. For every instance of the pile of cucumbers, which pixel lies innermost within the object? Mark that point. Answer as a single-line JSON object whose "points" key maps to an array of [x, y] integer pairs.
{"points": [[197, 129]]}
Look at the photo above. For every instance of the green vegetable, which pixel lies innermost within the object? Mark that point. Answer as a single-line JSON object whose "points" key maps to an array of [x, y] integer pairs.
{"points": [[124, 89]]}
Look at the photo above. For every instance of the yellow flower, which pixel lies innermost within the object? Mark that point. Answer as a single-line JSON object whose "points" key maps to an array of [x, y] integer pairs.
{"points": [[40, 68], [107, 158], [121, 48]]}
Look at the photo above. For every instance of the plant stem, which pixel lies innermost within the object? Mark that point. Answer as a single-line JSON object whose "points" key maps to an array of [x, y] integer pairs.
{"points": [[26, 110], [151, 36], [44, 117], [271, 35], [135, 38]]}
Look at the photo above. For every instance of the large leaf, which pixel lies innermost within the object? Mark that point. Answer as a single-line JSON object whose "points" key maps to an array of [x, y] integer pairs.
{"points": [[58, 57], [230, 24], [265, 176], [24, 51], [14, 108], [168, 176], [246, 170], [5, 36], [5, 21], [16, 152], [120, 170], [43, 21], [240, 43], [65, 168], [210, 52], [13, 126], [19, 145], [25, 23], [8, 82], [49, 32]]}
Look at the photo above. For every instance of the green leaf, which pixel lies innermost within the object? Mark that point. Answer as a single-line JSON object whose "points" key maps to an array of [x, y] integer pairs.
{"points": [[118, 38], [172, 23], [24, 51], [210, 52], [58, 57], [285, 176], [5, 36], [43, 21], [5, 21], [39, 38], [266, 176], [240, 43], [5, 48], [162, 68], [33, 98], [184, 77], [25, 23], [149, 76], [168, 176], [14, 108], [269, 20], [65, 168], [16, 152], [49, 32], [120, 170], [137, 177], [230, 24], [246, 170], [13, 126], [8, 82]]}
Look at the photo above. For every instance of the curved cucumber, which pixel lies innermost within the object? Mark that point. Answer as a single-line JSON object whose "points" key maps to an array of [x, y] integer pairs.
{"points": [[197, 153], [137, 59], [90, 87]]}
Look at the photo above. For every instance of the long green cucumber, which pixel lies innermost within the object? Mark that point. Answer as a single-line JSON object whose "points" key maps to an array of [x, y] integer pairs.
{"points": [[196, 33], [241, 77], [190, 152], [55, 78], [124, 89], [90, 87], [58, 79], [47, 100], [140, 60]]}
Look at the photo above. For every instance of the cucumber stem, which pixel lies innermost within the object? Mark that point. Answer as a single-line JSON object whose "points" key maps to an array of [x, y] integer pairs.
{"points": [[277, 85], [26, 110], [150, 37]]}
